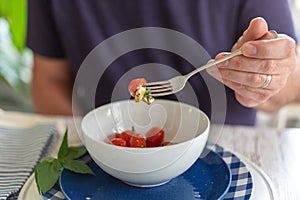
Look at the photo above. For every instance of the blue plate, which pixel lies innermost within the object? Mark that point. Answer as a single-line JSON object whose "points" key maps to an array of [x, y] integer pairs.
{"points": [[208, 178]]}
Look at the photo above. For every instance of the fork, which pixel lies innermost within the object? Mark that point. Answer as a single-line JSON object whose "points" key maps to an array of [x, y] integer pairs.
{"points": [[177, 83]]}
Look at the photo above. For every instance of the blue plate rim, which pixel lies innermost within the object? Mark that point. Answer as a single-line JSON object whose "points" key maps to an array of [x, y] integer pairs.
{"points": [[210, 151], [230, 175]]}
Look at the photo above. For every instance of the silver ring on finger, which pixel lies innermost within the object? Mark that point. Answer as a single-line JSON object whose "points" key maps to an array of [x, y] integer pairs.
{"points": [[267, 82], [274, 33]]}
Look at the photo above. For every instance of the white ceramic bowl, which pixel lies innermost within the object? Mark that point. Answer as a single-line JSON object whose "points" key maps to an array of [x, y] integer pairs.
{"points": [[183, 124]]}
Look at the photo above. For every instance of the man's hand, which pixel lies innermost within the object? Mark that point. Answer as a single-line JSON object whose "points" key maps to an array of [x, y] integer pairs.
{"points": [[288, 94], [263, 54]]}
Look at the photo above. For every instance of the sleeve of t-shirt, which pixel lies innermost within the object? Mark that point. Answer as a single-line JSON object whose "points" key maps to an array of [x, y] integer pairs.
{"points": [[276, 12], [42, 36]]}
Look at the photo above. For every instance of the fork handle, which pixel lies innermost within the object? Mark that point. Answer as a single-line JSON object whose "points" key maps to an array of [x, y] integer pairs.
{"points": [[233, 54]]}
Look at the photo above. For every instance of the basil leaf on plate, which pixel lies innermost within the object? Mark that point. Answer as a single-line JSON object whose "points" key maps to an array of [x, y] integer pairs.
{"points": [[63, 146], [76, 166], [72, 152], [47, 173], [49, 170]]}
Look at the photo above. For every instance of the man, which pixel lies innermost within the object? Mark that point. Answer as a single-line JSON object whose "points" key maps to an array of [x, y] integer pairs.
{"points": [[62, 33]]}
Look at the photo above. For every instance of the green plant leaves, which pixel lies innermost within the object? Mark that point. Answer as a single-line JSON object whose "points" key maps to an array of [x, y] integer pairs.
{"points": [[47, 173], [76, 166], [2, 10], [70, 152], [15, 59], [49, 170], [64, 143], [15, 12]]}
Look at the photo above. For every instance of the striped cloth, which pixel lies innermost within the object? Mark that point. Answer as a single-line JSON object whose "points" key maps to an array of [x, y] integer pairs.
{"points": [[20, 150], [240, 188]]}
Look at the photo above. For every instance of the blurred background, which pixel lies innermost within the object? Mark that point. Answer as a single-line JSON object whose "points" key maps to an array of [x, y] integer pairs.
{"points": [[15, 58], [16, 65]]}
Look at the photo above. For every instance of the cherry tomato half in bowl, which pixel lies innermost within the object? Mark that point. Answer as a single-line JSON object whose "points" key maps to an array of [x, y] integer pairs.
{"points": [[137, 140], [155, 137], [118, 142], [126, 135]]}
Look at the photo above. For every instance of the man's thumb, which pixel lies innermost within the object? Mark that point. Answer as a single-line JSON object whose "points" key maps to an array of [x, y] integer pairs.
{"points": [[257, 28]]}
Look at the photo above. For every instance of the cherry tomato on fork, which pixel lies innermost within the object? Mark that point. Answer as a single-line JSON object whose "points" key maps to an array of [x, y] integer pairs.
{"points": [[155, 137], [134, 84]]}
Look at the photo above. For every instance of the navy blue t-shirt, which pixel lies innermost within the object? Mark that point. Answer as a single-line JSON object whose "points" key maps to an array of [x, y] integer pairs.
{"points": [[71, 29]]}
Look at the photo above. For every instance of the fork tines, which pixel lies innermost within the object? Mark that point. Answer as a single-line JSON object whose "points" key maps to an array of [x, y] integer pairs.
{"points": [[160, 88]]}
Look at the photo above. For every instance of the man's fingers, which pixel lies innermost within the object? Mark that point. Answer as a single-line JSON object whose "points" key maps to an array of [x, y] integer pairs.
{"points": [[252, 65], [257, 29], [272, 34], [279, 48]]}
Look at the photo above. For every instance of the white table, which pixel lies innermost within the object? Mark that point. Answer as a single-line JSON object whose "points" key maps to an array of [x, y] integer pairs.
{"points": [[274, 151]]}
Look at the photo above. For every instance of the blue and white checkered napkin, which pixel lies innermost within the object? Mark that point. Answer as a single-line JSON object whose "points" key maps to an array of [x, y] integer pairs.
{"points": [[241, 182]]}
